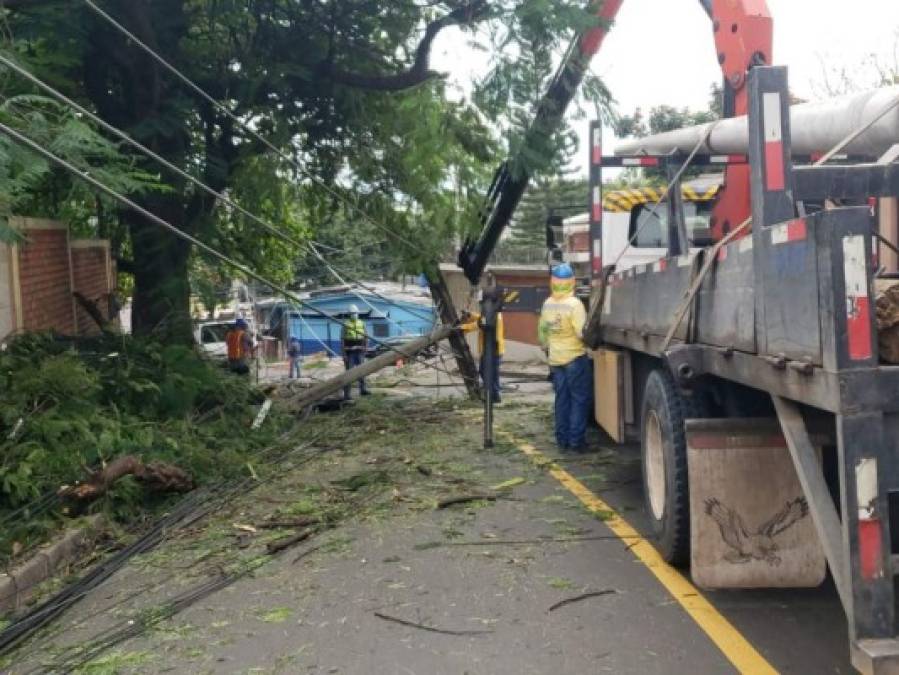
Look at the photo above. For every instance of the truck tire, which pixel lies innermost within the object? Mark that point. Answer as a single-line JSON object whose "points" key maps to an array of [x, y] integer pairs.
{"points": [[663, 448]]}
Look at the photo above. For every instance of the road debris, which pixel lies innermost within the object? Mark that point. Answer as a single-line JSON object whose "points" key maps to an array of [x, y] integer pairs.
{"points": [[431, 629], [465, 499], [274, 547], [581, 597]]}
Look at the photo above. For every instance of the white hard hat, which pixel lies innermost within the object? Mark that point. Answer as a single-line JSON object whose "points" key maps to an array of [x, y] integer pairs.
{"points": [[354, 309]]}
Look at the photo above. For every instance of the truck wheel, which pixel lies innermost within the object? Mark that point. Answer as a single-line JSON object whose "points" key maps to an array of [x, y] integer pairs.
{"points": [[664, 451]]}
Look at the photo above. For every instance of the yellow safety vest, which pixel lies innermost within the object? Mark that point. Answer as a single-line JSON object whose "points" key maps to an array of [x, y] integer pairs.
{"points": [[472, 325], [354, 330], [561, 329]]}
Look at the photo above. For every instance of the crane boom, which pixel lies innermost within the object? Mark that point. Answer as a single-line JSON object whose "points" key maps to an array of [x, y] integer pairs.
{"points": [[513, 176]]}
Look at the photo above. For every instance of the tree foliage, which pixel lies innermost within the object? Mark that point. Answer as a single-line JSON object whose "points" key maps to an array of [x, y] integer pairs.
{"points": [[344, 89]]}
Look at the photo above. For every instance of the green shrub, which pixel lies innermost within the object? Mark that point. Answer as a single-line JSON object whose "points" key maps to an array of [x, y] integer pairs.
{"points": [[68, 406]]}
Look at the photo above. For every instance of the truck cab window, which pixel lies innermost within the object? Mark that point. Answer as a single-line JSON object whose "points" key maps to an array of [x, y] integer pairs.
{"points": [[652, 228]]}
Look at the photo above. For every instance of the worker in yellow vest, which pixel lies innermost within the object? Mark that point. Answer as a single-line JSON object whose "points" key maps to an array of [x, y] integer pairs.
{"points": [[471, 321], [561, 331], [355, 344]]}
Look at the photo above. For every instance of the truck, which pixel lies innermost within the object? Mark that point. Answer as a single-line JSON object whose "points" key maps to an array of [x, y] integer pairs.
{"points": [[746, 360]]}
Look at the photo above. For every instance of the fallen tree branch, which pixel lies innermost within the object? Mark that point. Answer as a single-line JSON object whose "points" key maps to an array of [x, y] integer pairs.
{"points": [[430, 629], [284, 543], [157, 476], [464, 499], [92, 310], [578, 598], [407, 351]]}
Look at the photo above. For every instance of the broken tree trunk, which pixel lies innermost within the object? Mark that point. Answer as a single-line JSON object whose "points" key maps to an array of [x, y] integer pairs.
{"points": [[336, 384], [468, 369], [157, 476]]}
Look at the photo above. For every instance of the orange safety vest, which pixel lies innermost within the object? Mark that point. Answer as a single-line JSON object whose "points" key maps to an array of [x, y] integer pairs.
{"points": [[234, 340]]}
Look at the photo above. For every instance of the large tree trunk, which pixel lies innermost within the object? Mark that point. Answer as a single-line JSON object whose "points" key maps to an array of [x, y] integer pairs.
{"points": [[131, 91], [161, 304]]}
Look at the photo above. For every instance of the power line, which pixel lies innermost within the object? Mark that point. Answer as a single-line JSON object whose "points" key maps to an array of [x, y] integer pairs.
{"points": [[278, 232], [102, 187], [243, 125]]}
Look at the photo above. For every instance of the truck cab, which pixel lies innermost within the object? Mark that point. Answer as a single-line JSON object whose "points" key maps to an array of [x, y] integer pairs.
{"points": [[635, 231]]}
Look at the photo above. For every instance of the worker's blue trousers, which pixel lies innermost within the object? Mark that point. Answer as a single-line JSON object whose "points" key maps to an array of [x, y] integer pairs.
{"points": [[351, 359], [572, 385], [494, 385]]}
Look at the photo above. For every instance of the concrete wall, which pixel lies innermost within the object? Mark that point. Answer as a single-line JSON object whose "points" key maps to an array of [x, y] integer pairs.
{"points": [[520, 323]]}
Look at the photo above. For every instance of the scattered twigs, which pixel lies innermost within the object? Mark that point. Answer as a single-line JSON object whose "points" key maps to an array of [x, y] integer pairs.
{"points": [[274, 547], [579, 598], [465, 499], [430, 629]]}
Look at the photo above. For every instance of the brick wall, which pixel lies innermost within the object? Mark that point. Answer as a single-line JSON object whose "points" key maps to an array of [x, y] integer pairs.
{"points": [[46, 268], [45, 278], [91, 273]]}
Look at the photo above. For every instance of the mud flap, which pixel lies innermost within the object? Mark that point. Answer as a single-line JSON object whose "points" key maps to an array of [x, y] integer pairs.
{"points": [[750, 525]]}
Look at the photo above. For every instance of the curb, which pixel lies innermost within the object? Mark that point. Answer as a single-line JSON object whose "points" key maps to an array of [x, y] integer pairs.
{"points": [[17, 586]]}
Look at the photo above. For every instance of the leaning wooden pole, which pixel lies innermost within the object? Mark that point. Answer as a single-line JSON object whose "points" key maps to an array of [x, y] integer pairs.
{"points": [[468, 369], [407, 351]]}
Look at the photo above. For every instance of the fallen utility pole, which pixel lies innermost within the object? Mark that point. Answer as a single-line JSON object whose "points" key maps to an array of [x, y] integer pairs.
{"points": [[443, 301], [335, 384]]}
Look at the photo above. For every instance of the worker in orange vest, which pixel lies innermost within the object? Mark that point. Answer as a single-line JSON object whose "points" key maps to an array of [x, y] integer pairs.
{"points": [[240, 347]]}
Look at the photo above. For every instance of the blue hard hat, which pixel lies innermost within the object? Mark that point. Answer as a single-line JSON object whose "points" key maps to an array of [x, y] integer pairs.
{"points": [[563, 271], [240, 323]]}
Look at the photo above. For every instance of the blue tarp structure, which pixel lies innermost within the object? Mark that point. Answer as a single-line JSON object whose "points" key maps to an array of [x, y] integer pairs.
{"points": [[385, 320]]}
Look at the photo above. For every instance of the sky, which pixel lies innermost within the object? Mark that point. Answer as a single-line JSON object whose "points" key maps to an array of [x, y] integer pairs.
{"points": [[662, 51]]}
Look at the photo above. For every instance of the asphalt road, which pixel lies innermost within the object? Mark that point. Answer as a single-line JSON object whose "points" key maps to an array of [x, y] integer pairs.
{"points": [[471, 589]]}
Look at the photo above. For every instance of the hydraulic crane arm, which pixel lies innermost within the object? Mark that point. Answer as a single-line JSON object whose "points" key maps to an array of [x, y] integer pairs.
{"points": [[744, 39], [512, 177], [743, 32]]}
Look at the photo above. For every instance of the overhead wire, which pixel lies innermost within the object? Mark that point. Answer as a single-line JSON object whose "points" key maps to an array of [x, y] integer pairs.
{"points": [[272, 229], [122, 199], [119, 133]]}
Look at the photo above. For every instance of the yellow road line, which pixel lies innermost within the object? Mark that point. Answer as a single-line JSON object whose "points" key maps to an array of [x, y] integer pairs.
{"points": [[728, 639]]}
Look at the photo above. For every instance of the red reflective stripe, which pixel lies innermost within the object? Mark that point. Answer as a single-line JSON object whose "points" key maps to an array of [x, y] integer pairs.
{"points": [[597, 265], [774, 166], [649, 161], [870, 549], [858, 328], [796, 230], [663, 265]]}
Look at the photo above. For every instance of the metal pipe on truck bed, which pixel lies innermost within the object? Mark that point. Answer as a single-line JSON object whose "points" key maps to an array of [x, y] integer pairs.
{"points": [[816, 128]]}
